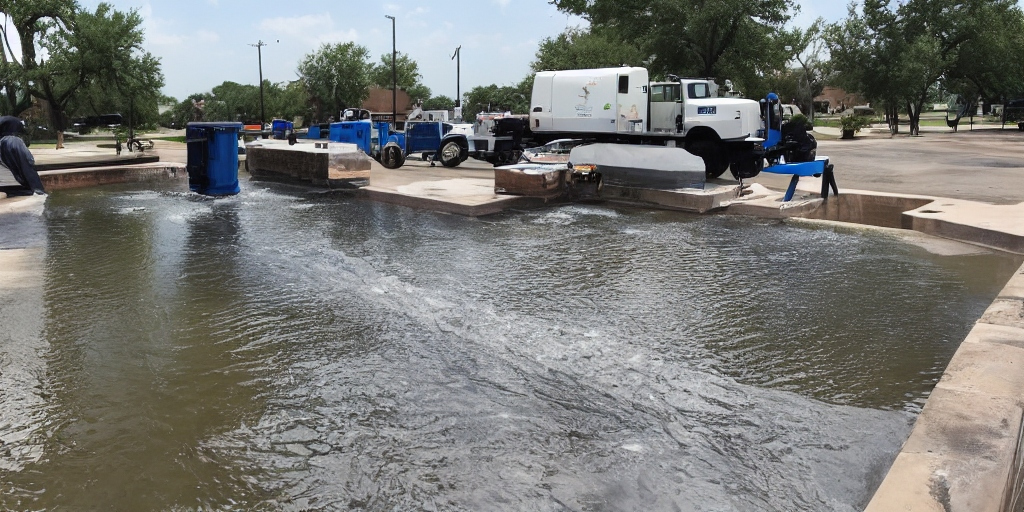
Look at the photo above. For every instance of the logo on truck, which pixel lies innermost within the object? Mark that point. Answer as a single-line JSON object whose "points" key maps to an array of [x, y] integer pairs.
{"points": [[707, 111], [584, 110]]}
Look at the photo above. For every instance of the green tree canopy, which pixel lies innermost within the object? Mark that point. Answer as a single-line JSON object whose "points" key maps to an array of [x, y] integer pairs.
{"points": [[493, 98], [439, 103], [407, 73], [582, 49], [896, 54], [724, 38], [67, 51], [336, 76]]}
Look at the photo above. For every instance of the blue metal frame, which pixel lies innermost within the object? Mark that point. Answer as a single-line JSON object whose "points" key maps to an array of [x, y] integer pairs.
{"points": [[819, 167]]}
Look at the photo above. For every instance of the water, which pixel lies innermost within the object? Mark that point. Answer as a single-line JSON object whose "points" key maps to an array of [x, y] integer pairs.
{"points": [[282, 350]]}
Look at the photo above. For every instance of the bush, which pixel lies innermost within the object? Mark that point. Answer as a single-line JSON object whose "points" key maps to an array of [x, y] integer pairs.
{"points": [[800, 120], [853, 123]]}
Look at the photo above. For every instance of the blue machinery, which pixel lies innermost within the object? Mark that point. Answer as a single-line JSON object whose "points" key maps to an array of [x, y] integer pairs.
{"points": [[789, 149], [378, 141]]}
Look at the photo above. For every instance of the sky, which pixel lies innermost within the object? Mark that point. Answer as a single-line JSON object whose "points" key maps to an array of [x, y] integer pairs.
{"points": [[203, 43]]}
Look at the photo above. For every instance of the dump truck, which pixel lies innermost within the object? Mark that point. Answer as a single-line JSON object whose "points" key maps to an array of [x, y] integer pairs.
{"points": [[622, 106]]}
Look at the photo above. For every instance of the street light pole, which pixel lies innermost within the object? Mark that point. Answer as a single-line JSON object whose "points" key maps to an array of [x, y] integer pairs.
{"points": [[458, 72], [394, 75]]}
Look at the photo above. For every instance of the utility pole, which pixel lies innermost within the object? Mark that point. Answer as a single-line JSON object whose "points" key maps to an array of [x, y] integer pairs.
{"points": [[263, 112], [394, 76]]}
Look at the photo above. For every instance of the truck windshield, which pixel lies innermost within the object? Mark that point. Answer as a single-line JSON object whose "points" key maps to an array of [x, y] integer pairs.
{"points": [[698, 91], [665, 93]]}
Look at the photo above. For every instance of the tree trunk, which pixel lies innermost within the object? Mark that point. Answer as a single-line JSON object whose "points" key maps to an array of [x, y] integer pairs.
{"points": [[892, 115], [914, 113]]}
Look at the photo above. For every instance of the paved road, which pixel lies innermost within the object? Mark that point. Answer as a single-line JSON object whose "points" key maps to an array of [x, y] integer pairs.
{"points": [[980, 165]]}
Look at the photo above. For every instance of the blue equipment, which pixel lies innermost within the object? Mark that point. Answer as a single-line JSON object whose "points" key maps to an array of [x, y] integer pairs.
{"points": [[789, 149], [212, 158], [388, 147]]}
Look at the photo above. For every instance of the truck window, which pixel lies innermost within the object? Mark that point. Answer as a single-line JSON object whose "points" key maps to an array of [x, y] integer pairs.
{"points": [[657, 93], [698, 91], [664, 93], [624, 84]]}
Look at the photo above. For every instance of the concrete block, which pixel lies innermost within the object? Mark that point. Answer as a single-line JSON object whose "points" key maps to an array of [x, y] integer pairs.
{"points": [[337, 165], [538, 181]]}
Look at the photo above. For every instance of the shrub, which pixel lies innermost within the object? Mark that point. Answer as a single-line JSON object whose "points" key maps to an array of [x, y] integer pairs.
{"points": [[854, 123]]}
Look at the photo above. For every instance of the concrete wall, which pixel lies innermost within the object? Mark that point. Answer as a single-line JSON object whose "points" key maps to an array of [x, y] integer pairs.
{"points": [[91, 177], [965, 451]]}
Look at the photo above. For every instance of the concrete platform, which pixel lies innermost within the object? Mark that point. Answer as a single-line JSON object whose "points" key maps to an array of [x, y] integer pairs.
{"points": [[464, 190], [336, 166]]}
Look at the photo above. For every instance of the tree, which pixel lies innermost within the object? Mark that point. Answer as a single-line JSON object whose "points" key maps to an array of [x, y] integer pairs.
{"points": [[336, 76], [896, 55], [407, 73], [439, 103], [583, 49], [66, 50], [30, 20], [810, 78], [492, 98], [725, 38]]}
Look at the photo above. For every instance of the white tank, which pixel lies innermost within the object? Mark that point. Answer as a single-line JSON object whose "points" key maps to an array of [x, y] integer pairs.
{"points": [[609, 100]]}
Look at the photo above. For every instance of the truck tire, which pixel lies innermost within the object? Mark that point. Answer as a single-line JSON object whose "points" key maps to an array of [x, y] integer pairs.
{"points": [[452, 154], [714, 154], [746, 166], [715, 165], [391, 156]]}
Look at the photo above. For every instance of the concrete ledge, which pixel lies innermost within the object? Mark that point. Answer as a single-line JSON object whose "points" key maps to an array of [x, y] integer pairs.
{"points": [[712, 197], [438, 196], [964, 452], [90, 177]]}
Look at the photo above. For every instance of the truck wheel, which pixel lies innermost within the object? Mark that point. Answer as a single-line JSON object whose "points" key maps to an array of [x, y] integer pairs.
{"points": [[715, 165], [747, 166], [391, 156], [452, 154]]}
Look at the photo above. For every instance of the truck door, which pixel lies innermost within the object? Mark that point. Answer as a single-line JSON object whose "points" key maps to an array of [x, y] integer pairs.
{"points": [[666, 105], [540, 102]]}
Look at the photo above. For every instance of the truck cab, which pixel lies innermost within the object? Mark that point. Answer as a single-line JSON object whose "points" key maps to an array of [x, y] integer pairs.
{"points": [[689, 106]]}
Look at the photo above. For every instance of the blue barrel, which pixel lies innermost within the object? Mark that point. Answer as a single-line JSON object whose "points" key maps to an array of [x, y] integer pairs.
{"points": [[314, 132], [280, 128], [213, 158]]}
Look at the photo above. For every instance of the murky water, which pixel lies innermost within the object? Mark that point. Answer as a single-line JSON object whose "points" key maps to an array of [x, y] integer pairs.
{"points": [[282, 350]]}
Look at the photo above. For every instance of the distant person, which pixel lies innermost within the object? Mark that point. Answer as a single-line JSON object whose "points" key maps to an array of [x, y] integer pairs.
{"points": [[117, 145], [15, 156]]}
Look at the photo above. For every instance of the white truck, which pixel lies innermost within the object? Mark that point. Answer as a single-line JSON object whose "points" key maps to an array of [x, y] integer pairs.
{"points": [[621, 105]]}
